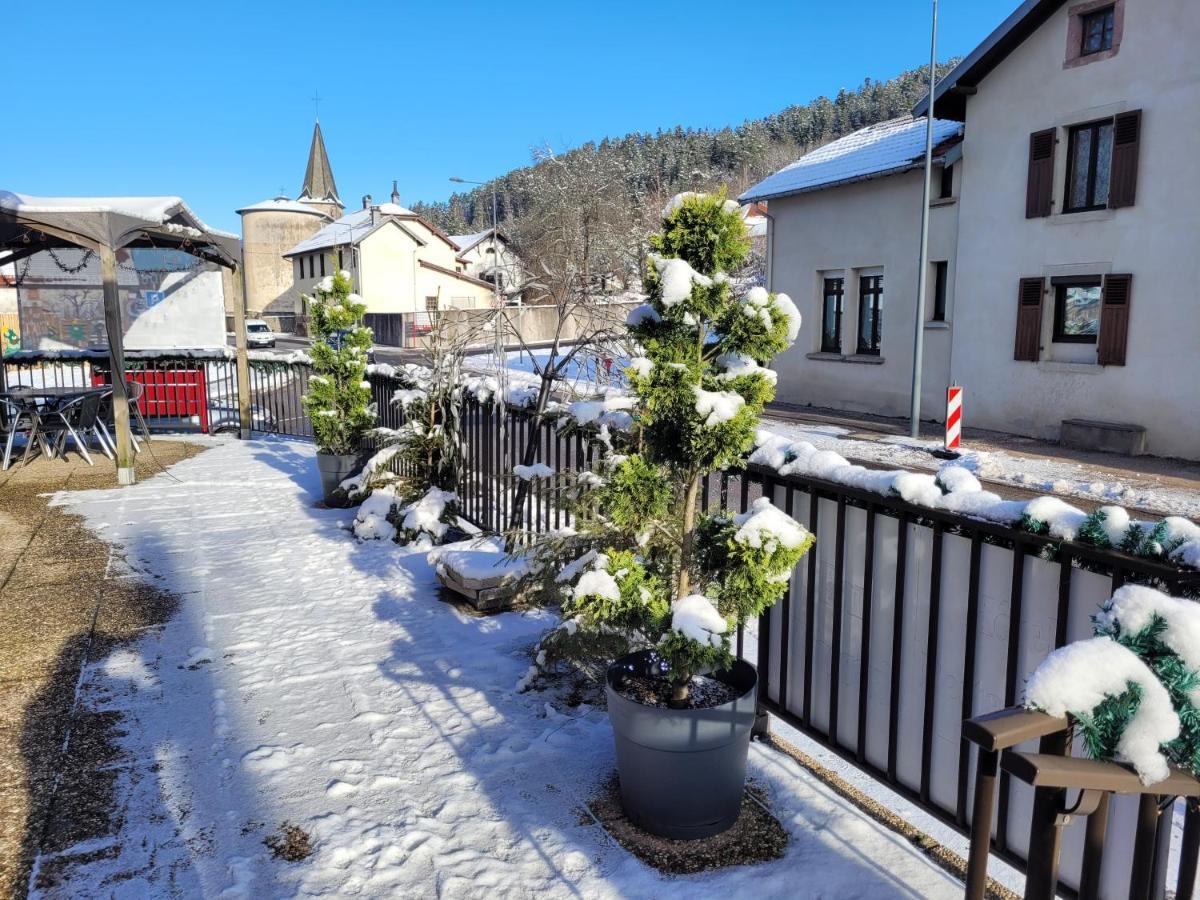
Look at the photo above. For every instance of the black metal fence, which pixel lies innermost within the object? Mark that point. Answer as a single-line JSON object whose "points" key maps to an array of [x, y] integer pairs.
{"points": [[189, 391]]}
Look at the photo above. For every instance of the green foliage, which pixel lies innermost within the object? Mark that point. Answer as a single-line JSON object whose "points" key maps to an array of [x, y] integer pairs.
{"points": [[1092, 530], [338, 396], [701, 390], [753, 578], [707, 231], [1101, 729]]}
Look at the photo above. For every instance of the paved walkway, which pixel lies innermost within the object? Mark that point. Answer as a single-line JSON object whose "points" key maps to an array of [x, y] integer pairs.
{"points": [[56, 584]]}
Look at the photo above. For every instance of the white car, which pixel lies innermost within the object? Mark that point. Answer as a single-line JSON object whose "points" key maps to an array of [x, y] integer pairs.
{"points": [[259, 334]]}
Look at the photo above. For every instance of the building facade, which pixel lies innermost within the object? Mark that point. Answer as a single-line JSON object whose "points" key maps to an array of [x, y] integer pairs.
{"points": [[271, 227], [489, 257], [1068, 244]]}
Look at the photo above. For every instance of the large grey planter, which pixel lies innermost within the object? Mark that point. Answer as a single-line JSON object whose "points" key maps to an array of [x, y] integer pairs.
{"points": [[336, 468], [682, 771]]}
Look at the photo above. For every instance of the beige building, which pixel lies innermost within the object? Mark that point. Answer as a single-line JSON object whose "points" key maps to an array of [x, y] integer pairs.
{"points": [[1069, 284], [490, 257], [271, 227], [402, 266]]}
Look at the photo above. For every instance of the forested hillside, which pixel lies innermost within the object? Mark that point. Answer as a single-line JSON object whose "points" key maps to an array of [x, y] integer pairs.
{"points": [[642, 170]]}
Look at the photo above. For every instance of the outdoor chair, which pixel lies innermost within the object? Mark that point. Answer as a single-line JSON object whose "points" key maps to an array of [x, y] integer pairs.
{"points": [[14, 420], [107, 425], [74, 419], [134, 390]]}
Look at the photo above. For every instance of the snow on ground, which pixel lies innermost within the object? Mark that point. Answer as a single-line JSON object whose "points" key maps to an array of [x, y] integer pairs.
{"points": [[1042, 474], [314, 679]]}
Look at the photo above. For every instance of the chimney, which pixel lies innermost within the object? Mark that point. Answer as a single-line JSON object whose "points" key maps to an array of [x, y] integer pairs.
{"points": [[395, 194], [366, 201]]}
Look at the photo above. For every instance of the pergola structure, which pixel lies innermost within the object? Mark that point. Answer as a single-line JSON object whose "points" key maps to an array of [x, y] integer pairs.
{"points": [[105, 225]]}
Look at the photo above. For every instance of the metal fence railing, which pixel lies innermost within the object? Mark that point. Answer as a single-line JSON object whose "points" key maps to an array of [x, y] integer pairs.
{"points": [[188, 390]]}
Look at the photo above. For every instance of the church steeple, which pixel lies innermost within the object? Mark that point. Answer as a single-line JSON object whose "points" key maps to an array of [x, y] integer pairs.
{"points": [[319, 185]]}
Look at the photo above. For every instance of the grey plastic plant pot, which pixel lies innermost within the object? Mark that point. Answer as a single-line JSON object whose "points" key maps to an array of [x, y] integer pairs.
{"points": [[682, 771], [336, 468]]}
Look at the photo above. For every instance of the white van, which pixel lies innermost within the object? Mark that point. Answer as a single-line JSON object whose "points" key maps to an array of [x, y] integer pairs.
{"points": [[259, 334]]}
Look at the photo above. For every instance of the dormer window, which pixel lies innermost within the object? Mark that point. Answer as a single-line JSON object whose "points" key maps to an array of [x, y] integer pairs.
{"points": [[1097, 31]]}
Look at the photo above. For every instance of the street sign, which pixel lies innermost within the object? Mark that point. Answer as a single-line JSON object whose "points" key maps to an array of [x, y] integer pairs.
{"points": [[153, 298]]}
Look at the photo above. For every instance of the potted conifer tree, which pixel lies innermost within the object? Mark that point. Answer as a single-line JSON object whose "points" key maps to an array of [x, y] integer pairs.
{"points": [[676, 581], [338, 396]]}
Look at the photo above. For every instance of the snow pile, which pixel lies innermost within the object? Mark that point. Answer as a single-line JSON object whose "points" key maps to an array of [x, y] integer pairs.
{"points": [[537, 470], [756, 304], [677, 201], [1077, 678], [676, 277], [640, 366], [736, 365], [371, 522], [423, 518], [479, 560], [572, 569], [1133, 607], [597, 583], [641, 314], [958, 479], [612, 410], [406, 397], [717, 406], [376, 464], [695, 617], [766, 526]]}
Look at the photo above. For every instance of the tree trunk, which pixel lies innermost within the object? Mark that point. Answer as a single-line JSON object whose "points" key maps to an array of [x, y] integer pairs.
{"points": [[689, 535]]}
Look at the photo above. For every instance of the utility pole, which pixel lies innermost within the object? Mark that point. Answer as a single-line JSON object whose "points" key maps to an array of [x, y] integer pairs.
{"points": [[923, 266]]}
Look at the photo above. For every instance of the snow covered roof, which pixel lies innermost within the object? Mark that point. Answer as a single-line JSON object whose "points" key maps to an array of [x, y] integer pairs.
{"points": [[115, 222], [350, 228], [872, 152], [467, 241], [281, 204]]}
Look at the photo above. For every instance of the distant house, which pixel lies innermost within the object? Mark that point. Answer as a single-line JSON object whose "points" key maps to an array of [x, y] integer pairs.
{"points": [[489, 256], [1062, 236], [846, 221], [400, 264]]}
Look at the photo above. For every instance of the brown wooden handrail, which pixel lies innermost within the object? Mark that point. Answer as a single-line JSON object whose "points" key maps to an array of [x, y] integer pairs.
{"points": [[1052, 773]]}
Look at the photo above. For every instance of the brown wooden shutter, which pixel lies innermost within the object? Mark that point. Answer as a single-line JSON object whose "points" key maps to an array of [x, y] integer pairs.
{"points": [[1114, 320], [1029, 319], [1127, 132], [1039, 190]]}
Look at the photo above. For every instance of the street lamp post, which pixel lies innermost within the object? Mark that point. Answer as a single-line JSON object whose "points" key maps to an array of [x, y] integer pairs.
{"points": [[923, 264]]}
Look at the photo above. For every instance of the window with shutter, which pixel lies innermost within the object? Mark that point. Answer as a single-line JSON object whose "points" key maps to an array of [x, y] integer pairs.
{"points": [[1114, 320], [1029, 319], [1127, 128], [1039, 190]]}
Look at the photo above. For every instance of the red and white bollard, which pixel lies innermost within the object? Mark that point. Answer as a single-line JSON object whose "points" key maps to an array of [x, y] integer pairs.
{"points": [[954, 401]]}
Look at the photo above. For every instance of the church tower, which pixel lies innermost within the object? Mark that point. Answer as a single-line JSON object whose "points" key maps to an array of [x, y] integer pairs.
{"points": [[320, 190]]}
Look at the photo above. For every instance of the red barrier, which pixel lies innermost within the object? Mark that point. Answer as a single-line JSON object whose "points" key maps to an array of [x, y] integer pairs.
{"points": [[169, 393]]}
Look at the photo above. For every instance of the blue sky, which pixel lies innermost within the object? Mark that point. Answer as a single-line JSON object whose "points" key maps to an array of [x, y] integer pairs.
{"points": [[213, 102]]}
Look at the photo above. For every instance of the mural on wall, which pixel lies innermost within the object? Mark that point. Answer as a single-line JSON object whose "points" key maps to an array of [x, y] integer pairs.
{"points": [[168, 299], [10, 333]]}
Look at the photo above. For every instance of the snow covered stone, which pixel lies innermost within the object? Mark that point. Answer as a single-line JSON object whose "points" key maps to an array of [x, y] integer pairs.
{"points": [[1077, 678], [695, 617], [717, 406], [481, 572]]}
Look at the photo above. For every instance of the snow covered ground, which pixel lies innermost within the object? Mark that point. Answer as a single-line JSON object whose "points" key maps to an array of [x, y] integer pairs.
{"points": [[312, 679]]}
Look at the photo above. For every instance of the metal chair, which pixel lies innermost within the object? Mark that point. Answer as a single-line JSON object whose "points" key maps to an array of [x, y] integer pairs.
{"points": [[15, 419], [72, 419]]}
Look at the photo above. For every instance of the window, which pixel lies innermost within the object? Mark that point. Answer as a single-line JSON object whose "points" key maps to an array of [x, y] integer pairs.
{"points": [[870, 311], [831, 315], [940, 271], [947, 186], [312, 268], [299, 268], [322, 255], [341, 265], [1076, 310], [1089, 166], [1097, 31], [431, 304]]}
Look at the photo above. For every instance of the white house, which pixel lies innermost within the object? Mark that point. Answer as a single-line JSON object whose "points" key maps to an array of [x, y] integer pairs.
{"points": [[845, 226], [1071, 271], [400, 263], [489, 256]]}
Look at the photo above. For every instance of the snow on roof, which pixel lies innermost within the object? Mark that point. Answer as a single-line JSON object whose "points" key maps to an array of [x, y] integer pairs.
{"points": [[350, 228], [152, 209], [871, 152], [467, 241], [280, 204]]}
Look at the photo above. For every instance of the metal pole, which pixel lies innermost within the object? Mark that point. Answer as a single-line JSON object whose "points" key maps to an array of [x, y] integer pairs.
{"points": [[116, 355], [923, 265]]}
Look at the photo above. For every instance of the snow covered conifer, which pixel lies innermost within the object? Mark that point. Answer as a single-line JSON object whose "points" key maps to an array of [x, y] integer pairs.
{"points": [[338, 396], [680, 580]]}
